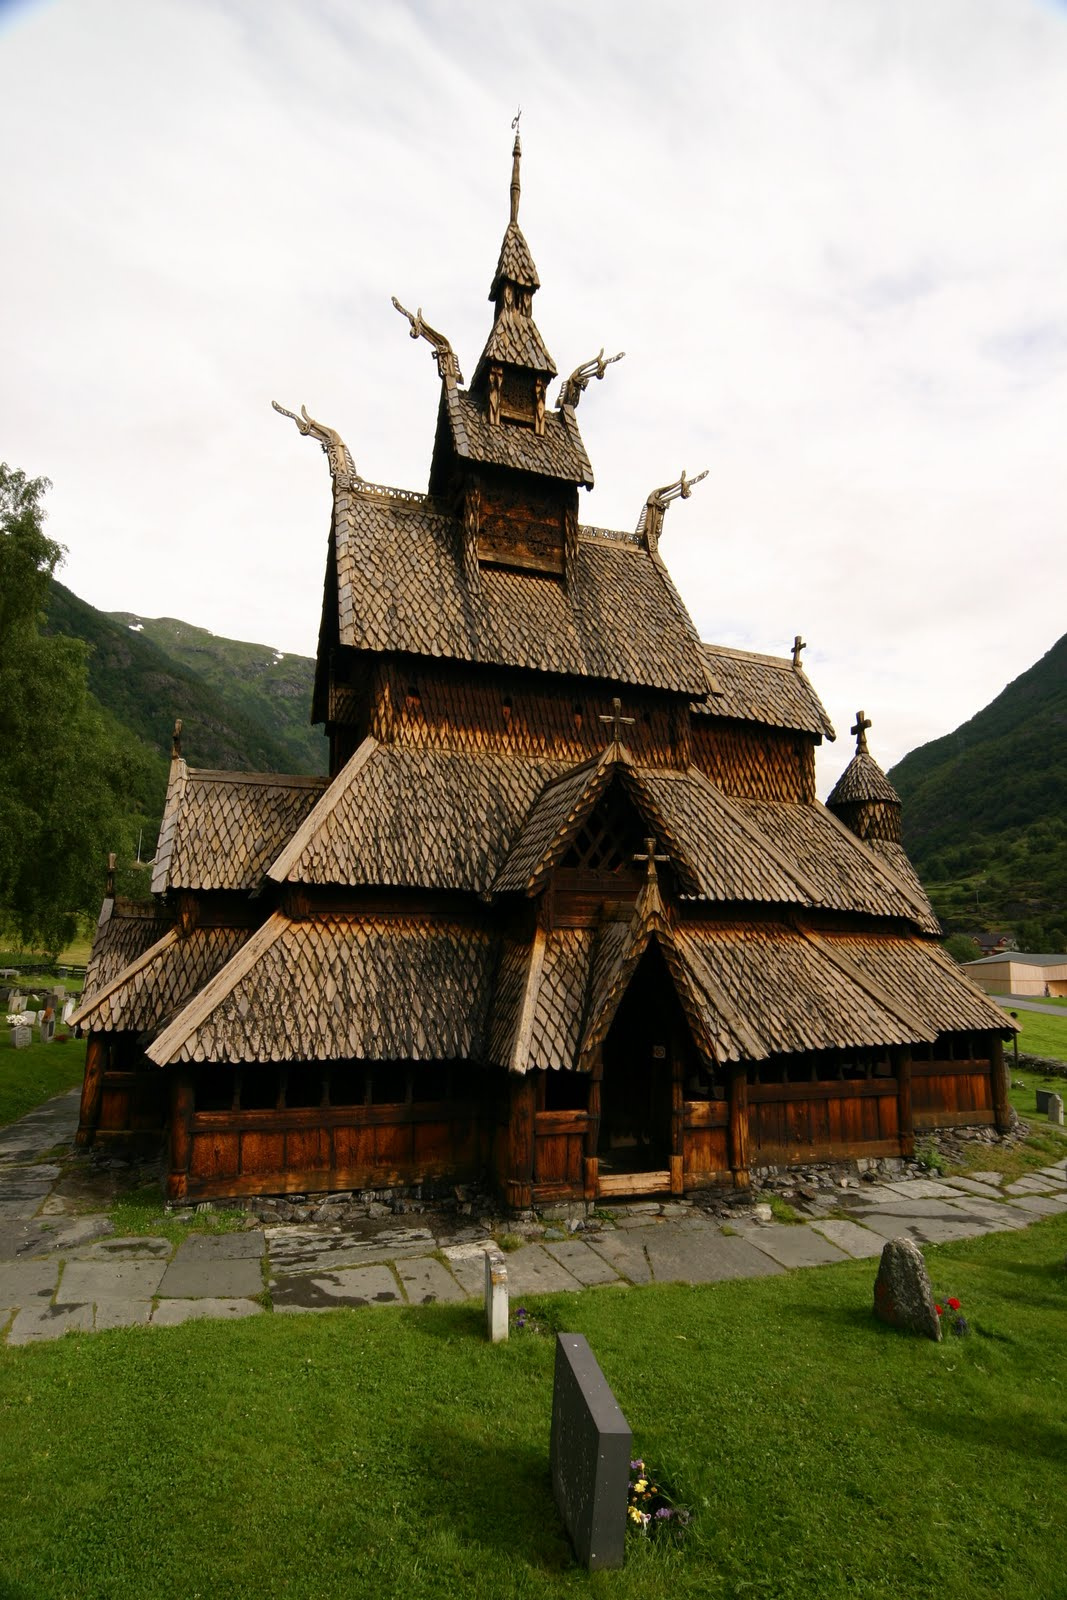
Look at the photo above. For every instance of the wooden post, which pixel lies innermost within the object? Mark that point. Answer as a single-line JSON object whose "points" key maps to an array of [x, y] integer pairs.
{"points": [[1001, 1103], [92, 1090], [901, 1057], [739, 1127], [521, 1137], [592, 1133], [677, 1154], [181, 1137]]}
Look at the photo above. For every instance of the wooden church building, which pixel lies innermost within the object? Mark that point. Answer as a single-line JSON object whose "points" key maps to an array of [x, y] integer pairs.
{"points": [[566, 916]]}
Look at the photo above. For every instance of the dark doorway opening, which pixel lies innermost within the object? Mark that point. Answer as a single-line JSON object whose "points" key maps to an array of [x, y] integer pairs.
{"points": [[647, 1046]]}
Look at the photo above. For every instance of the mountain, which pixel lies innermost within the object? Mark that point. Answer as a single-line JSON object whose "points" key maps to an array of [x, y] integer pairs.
{"points": [[985, 811], [243, 707]]}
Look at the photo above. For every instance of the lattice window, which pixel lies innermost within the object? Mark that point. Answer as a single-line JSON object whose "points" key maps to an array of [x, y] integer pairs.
{"points": [[608, 840]]}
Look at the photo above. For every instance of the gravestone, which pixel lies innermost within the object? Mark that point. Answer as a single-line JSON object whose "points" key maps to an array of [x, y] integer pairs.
{"points": [[902, 1293], [1041, 1100], [68, 1010], [47, 1027], [590, 1455], [1055, 1109], [496, 1296], [21, 1036]]}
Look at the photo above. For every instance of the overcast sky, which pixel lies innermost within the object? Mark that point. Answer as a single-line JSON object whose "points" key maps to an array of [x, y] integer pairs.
{"points": [[831, 236]]}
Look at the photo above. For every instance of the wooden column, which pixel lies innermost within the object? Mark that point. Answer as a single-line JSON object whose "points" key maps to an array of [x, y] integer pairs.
{"points": [[901, 1058], [592, 1137], [92, 1089], [518, 1186], [999, 1076], [181, 1136], [677, 1161], [739, 1127]]}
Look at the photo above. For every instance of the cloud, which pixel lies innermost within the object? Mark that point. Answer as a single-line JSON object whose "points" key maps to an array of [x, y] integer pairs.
{"points": [[829, 238]]}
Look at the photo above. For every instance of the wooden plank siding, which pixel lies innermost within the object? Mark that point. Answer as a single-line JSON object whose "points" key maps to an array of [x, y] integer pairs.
{"points": [[947, 1094], [834, 1121]]}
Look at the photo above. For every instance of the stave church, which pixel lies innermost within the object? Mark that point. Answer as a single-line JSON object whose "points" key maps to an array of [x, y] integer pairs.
{"points": [[566, 918]]}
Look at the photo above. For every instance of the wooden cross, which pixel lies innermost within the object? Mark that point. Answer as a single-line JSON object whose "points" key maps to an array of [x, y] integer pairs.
{"points": [[112, 863], [176, 740], [617, 719], [651, 857], [862, 723], [799, 644]]}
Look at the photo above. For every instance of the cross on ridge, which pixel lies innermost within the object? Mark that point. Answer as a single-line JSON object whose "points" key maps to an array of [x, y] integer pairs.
{"points": [[799, 644], [617, 719], [651, 857], [860, 727]]}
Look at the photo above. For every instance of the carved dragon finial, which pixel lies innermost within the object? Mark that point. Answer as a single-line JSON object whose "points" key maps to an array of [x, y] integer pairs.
{"points": [[444, 355], [650, 523], [334, 447], [578, 382]]}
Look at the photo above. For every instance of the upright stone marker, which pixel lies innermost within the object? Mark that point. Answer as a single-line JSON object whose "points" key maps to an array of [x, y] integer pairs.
{"points": [[1055, 1109], [590, 1456], [902, 1293], [496, 1296]]}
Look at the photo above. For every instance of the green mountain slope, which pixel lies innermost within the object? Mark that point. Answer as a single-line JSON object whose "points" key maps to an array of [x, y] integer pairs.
{"points": [[267, 688], [985, 810], [226, 724]]}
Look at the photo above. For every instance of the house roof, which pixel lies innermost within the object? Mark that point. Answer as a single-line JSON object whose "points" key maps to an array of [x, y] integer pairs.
{"points": [[221, 830], [862, 780], [401, 588], [758, 688], [1019, 957], [556, 453], [159, 980], [125, 929], [338, 988]]}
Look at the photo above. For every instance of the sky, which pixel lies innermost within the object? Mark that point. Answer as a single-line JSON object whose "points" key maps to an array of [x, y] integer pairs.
{"points": [[830, 236]]}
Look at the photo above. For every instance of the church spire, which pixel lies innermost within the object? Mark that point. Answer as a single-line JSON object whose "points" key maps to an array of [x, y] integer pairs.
{"points": [[516, 187]]}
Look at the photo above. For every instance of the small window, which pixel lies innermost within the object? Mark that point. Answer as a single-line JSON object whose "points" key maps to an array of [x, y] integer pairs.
{"points": [[303, 1087], [348, 1085], [215, 1089], [259, 1089], [566, 1091]]}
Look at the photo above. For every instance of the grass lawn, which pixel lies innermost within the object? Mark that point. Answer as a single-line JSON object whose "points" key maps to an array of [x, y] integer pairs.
{"points": [[1041, 1035], [29, 1076], [394, 1453]]}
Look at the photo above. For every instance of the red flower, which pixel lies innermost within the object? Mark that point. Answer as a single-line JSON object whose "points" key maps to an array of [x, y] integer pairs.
{"points": [[954, 1305], [937, 1308]]}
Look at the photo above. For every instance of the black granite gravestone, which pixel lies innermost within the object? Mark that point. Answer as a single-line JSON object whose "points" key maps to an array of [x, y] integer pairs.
{"points": [[590, 1455]]}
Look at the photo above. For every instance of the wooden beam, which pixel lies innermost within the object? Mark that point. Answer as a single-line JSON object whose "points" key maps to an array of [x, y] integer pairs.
{"points": [[999, 1077], [92, 1090], [901, 1058], [739, 1127]]}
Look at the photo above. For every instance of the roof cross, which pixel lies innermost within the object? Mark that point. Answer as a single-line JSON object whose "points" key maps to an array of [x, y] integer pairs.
{"points": [[859, 728], [617, 719], [799, 644], [176, 740], [651, 857]]}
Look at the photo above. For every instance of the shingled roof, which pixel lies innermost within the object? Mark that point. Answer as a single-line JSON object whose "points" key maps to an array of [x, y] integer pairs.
{"points": [[557, 453], [757, 688], [221, 830], [159, 980], [125, 929], [338, 988], [401, 587], [863, 779]]}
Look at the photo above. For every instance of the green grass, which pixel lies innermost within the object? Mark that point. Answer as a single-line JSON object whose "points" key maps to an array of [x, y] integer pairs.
{"points": [[1042, 1035], [395, 1453], [143, 1211], [37, 1073]]}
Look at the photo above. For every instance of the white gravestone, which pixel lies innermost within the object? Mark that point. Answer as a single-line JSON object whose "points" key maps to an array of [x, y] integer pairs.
{"points": [[496, 1297]]}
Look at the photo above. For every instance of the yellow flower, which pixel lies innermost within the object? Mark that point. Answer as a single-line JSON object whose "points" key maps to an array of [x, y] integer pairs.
{"points": [[641, 1485]]}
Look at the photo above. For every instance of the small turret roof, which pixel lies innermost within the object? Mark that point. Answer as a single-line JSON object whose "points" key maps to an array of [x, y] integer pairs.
{"points": [[863, 779]]}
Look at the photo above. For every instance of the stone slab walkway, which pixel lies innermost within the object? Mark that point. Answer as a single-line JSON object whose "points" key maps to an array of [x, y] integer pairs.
{"points": [[61, 1271]]}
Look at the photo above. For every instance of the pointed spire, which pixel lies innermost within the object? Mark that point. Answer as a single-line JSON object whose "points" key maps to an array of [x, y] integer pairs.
{"points": [[516, 187], [863, 797]]}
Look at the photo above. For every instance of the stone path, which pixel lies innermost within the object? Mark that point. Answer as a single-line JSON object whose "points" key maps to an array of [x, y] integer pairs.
{"points": [[62, 1267]]}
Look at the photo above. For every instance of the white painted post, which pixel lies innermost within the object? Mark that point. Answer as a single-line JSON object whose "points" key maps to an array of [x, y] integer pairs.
{"points": [[496, 1297], [1055, 1109]]}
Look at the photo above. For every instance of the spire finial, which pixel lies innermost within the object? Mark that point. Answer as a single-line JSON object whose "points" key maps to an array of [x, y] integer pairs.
{"points": [[176, 740], [516, 156], [799, 644], [859, 728], [112, 863], [617, 719], [651, 858]]}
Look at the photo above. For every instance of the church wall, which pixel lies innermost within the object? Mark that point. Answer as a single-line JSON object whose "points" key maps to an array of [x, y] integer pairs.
{"points": [[752, 761]]}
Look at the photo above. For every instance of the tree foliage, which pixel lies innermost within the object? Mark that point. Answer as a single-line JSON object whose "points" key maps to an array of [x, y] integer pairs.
{"points": [[65, 773], [961, 948]]}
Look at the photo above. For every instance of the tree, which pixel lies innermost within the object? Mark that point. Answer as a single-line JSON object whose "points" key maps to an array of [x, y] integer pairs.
{"points": [[63, 769], [962, 948]]}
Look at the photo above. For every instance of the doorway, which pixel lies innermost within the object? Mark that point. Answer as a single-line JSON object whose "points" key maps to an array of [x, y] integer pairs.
{"points": [[644, 1051]]}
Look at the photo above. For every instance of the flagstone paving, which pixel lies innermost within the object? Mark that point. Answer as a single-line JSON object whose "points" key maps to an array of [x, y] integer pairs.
{"points": [[62, 1269]]}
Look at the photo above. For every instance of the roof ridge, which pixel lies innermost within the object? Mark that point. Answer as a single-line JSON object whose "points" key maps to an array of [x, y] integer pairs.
{"points": [[784, 662], [755, 833], [288, 780]]}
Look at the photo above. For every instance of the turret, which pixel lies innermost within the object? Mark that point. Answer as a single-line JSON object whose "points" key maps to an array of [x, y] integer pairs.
{"points": [[863, 797]]}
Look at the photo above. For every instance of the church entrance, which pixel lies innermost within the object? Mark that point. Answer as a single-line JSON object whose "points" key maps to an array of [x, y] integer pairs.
{"points": [[644, 1057]]}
